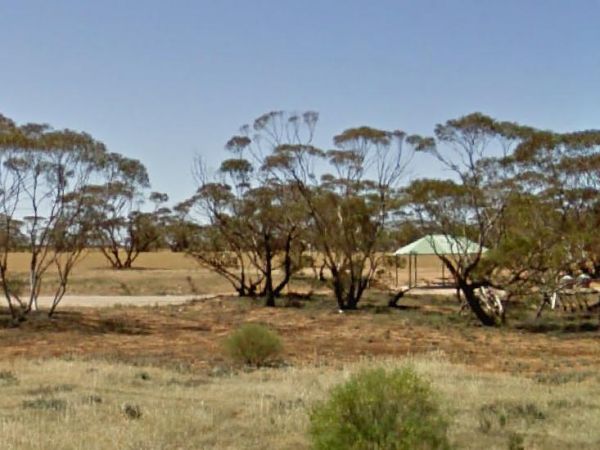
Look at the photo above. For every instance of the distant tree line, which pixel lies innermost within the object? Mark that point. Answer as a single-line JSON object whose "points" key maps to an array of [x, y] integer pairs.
{"points": [[278, 204]]}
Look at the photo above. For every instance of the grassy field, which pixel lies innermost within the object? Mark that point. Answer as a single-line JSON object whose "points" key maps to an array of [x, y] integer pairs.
{"points": [[156, 273], [80, 379], [73, 404], [168, 273]]}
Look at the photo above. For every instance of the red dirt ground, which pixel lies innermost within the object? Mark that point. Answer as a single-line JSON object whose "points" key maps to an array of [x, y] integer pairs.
{"points": [[192, 335]]}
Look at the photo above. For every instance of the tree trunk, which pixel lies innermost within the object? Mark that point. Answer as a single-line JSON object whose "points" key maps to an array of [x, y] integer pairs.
{"points": [[57, 298], [322, 272], [357, 288], [338, 288], [351, 302], [270, 296], [269, 293], [115, 261], [287, 267], [351, 296], [393, 302], [33, 281], [545, 301], [475, 305]]}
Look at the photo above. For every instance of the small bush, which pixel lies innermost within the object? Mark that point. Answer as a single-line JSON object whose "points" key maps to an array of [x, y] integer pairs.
{"points": [[93, 399], [382, 410], [143, 376], [8, 378], [501, 413], [48, 390], [516, 441], [563, 377], [132, 411], [253, 344], [49, 404]]}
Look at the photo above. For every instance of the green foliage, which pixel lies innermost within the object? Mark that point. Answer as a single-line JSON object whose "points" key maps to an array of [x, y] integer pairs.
{"points": [[383, 410], [253, 344]]}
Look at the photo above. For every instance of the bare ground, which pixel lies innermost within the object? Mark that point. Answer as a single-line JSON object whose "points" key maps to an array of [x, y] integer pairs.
{"points": [[313, 332]]}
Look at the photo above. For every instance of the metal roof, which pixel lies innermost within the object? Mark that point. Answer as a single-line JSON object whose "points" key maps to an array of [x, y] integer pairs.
{"points": [[440, 244]]}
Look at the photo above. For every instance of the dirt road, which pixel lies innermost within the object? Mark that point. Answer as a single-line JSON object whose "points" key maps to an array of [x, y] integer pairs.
{"points": [[96, 301]]}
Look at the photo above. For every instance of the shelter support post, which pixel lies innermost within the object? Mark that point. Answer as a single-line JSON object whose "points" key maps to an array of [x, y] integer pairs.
{"points": [[409, 270], [415, 270]]}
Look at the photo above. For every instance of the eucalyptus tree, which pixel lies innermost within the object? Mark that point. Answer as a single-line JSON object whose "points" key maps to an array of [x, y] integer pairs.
{"points": [[527, 195], [11, 141], [550, 226], [179, 231], [564, 169], [124, 229], [349, 206], [252, 222], [470, 205], [44, 173]]}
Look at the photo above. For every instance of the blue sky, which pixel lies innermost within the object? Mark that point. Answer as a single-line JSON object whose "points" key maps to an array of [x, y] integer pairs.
{"points": [[164, 81]]}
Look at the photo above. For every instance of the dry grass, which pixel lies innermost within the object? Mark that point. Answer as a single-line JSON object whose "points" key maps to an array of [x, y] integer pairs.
{"points": [[67, 382], [155, 273], [59, 404], [168, 273]]}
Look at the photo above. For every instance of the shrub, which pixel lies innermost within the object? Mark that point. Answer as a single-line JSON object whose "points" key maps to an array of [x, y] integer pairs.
{"points": [[503, 412], [93, 399], [48, 390], [7, 378], [143, 376], [253, 344], [51, 404], [382, 410], [516, 441], [132, 411]]}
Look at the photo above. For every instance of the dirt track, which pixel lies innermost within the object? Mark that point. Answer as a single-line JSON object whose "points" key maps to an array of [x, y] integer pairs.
{"points": [[99, 301]]}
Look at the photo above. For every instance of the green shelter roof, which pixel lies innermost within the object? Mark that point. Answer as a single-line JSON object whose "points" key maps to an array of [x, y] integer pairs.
{"points": [[440, 244]]}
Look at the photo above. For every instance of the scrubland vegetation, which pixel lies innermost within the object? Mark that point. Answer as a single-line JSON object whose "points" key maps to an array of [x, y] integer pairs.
{"points": [[160, 377], [73, 404], [311, 337], [278, 205]]}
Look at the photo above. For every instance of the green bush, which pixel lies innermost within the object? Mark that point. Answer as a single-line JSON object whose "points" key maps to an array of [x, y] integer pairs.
{"points": [[375, 409], [253, 344]]}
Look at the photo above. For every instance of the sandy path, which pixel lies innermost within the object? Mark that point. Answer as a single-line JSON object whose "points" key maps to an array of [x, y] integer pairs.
{"points": [[96, 301], [111, 300]]}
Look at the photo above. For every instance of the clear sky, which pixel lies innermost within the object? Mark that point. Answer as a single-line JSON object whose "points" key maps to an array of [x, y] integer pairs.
{"points": [[164, 80]]}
